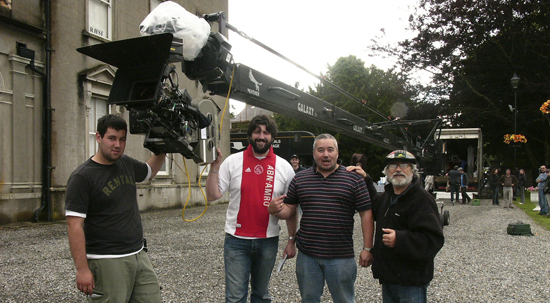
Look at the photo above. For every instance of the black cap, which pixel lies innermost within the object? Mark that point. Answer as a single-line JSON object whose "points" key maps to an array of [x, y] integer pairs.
{"points": [[294, 156]]}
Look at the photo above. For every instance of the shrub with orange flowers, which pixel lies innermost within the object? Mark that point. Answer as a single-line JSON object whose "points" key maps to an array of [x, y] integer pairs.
{"points": [[544, 108], [509, 138]]}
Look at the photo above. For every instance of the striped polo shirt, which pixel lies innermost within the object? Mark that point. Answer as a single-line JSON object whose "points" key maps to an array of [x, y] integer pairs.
{"points": [[328, 206]]}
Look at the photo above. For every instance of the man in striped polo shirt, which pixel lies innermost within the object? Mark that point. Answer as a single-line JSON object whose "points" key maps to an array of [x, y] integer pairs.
{"points": [[329, 196]]}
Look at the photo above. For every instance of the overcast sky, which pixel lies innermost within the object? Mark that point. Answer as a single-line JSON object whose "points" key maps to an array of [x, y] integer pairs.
{"points": [[313, 34]]}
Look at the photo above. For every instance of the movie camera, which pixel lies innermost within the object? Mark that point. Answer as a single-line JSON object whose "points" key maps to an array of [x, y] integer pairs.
{"points": [[146, 83]]}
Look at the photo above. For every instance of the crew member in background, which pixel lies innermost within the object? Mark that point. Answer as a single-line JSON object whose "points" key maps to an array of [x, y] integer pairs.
{"points": [[522, 180], [508, 181], [454, 183], [329, 197], [493, 183], [546, 189], [253, 178], [541, 181], [408, 233], [295, 162], [104, 223], [464, 180], [358, 164]]}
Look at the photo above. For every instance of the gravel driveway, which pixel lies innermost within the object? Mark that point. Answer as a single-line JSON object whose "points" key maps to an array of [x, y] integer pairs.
{"points": [[479, 262]]}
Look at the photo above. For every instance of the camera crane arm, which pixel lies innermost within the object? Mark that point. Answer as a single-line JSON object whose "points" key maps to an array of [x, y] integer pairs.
{"points": [[171, 120], [255, 88], [220, 18]]}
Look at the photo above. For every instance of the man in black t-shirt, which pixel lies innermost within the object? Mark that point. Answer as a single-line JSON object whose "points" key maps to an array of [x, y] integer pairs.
{"points": [[104, 223]]}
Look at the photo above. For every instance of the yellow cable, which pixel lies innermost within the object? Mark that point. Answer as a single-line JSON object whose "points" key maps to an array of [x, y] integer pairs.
{"points": [[200, 178], [227, 99], [189, 194]]}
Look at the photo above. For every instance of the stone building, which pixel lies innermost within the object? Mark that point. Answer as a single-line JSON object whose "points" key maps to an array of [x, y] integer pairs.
{"points": [[51, 97]]}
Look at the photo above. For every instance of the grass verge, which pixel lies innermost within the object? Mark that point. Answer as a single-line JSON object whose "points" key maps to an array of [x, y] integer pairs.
{"points": [[528, 209]]}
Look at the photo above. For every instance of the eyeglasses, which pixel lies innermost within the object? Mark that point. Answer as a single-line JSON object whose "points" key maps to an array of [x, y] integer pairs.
{"points": [[401, 165]]}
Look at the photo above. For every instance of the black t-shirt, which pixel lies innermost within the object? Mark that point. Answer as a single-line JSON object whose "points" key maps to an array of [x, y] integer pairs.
{"points": [[107, 195]]}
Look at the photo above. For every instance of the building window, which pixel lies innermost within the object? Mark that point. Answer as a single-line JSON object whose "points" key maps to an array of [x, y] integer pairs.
{"points": [[98, 109], [100, 18], [166, 166]]}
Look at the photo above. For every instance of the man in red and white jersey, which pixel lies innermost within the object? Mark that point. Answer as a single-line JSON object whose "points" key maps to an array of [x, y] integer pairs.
{"points": [[253, 178]]}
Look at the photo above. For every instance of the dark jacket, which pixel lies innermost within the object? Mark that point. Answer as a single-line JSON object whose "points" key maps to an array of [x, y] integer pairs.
{"points": [[546, 188], [493, 181], [454, 177], [370, 186], [300, 168], [419, 236], [513, 180], [465, 179], [522, 180]]}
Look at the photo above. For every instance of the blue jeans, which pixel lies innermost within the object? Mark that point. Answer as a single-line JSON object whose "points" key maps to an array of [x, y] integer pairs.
{"points": [[495, 196], [393, 293], [542, 202], [520, 192], [455, 189], [339, 274], [248, 260]]}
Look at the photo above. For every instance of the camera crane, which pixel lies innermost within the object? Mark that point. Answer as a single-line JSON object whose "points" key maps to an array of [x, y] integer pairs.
{"points": [[173, 123], [268, 93]]}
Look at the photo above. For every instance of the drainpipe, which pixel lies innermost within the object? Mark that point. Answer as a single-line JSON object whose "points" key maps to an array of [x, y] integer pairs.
{"points": [[47, 123]]}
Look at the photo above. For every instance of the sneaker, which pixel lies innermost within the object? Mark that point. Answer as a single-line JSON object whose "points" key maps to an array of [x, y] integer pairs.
{"points": [[511, 206]]}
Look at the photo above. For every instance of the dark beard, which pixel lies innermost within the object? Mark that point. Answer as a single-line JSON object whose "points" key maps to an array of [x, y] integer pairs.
{"points": [[257, 149]]}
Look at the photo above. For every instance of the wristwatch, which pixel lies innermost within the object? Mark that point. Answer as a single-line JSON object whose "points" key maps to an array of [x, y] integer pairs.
{"points": [[369, 249]]}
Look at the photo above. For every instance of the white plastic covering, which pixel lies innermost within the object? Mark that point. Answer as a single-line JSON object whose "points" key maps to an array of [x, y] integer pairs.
{"points": [[170, 17]]}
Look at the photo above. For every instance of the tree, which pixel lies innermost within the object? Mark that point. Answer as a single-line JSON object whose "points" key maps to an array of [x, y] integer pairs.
{"points": [[473, 48], [380, 89]]}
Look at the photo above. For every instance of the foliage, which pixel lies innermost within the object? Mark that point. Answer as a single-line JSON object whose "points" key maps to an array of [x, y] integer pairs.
{"points": [[386, 94], [473, 48]]}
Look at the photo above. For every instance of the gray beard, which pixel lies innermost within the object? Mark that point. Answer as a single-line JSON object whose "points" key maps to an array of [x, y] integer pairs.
{"points": [[401, 182]]}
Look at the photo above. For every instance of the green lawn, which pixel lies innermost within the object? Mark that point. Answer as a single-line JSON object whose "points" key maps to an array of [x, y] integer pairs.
{"points": [[528, 209]]}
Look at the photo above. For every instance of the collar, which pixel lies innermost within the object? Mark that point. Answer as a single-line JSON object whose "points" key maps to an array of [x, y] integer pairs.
{"points": [[339, 168], [389, 188]]}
